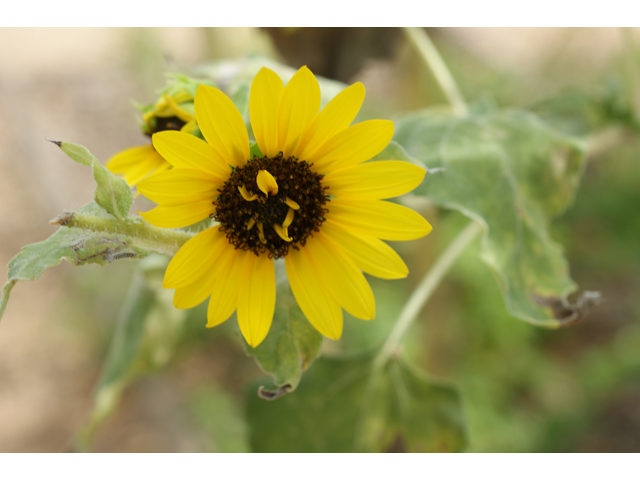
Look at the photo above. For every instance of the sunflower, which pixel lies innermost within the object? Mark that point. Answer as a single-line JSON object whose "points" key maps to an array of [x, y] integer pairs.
{"points": [[308, 198], [170, 112]]}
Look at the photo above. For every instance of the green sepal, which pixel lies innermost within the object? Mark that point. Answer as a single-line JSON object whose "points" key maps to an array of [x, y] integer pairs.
{"points": [[254, 150], [178, 83], [112, 192]]}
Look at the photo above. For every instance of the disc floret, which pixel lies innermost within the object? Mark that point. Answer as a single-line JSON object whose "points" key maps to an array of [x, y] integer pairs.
{"points": [[271, 204]]}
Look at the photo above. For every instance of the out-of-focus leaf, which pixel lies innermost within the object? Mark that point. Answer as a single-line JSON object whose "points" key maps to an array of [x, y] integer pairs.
{"points": [[146, 335], [227, 73], [420, 414], [395, 151], [291, 344], [219, 415], [164, 323], [338, 407], [583, 113], [112, 193], [358, 336], [240, 97], [80, 247], [124, 349], [574, 112], [513, 174]]}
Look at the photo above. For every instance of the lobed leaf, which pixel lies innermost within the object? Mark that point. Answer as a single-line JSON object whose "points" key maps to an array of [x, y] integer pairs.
{"points": [[513, 174]]}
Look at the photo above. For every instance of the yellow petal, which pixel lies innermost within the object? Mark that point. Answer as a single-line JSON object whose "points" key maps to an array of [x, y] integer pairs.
{"points": [[224, 291], [340, 275], [288, 220], [136, 163], [222, 125], [195, 257], [179, 216], [313, 298], [180, 186], [266, 183], [249, 197], [298, 108], [189, 127], [370, 254], [374, 180], [353, 145], [264, 103], [378, 218], [256, 298], [334, 117], [150, 165], [177, 110], [193, 294], [184, 150], [126, 159]]}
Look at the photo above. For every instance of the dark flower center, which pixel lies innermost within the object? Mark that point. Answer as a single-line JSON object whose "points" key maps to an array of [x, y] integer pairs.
{"points": [[270, 205], [166, 123]]}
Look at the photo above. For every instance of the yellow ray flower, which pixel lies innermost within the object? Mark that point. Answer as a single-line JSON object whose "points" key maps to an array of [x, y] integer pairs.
{"points": [[171, 112], [310, 199]]}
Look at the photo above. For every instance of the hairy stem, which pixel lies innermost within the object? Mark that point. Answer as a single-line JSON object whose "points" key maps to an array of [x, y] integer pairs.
{"points": [[145, 236], [421, 41]]}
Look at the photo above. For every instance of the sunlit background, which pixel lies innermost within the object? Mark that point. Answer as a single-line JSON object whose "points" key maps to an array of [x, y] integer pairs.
{"points": [[524, 389]]}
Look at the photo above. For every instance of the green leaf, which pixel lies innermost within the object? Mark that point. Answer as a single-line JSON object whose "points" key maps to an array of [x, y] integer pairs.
{"points": [[358, 336], [339, 408], [513, 174], [395, 151], [113, 194], [221, 418], [291, 344], [124, 349], [80, 247], [239, 94], [422, 415]]}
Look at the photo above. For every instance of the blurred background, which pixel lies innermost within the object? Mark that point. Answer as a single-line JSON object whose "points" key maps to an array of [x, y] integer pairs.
{"points": [[524, 388]]}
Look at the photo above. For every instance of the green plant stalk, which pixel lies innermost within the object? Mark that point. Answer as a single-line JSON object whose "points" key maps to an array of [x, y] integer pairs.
{"points": [[409, 313], [423, 292], [421, 41], [143, 235]]}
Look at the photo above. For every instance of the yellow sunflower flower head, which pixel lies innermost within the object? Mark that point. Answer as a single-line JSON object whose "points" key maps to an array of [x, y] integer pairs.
{"points": [[172, 111], [310, 198]]}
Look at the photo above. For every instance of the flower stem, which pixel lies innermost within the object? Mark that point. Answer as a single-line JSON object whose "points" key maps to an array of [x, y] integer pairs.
{"points": [[423, 292], [143, 235], [421, 41]]}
